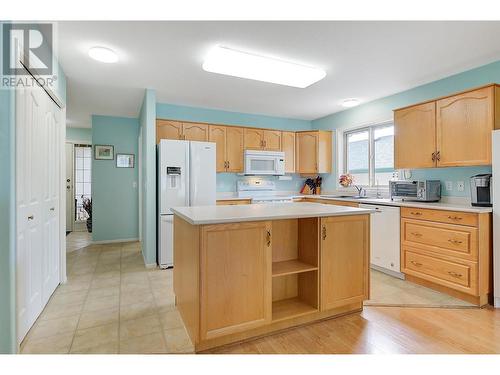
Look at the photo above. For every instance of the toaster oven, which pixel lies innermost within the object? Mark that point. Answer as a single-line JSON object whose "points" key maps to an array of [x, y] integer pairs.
{"points": [[423, 190]]}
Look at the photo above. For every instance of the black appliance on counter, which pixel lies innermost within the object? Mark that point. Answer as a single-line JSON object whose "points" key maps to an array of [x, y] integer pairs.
{"points": [[481, 190]]}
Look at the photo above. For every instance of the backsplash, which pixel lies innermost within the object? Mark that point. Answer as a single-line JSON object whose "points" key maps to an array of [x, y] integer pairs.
{"points": [[226, 182]]}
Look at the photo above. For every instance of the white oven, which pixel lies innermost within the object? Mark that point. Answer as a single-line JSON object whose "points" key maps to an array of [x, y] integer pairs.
{"points": [[264, 163]]}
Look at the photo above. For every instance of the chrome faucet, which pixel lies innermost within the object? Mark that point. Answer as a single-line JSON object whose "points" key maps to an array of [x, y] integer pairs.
{"points": [[361, 191]]}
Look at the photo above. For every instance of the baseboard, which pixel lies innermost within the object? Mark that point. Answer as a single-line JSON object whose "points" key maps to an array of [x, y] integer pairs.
{"points": [[399, 275], [115, 241], [148, 265]]}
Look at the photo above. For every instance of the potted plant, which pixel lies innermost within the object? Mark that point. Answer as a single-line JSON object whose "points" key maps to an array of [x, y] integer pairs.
{"points": [[87, 206]]}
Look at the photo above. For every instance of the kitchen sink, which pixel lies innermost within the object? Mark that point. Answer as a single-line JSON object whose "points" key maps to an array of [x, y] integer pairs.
{"points": [[343, 196]]}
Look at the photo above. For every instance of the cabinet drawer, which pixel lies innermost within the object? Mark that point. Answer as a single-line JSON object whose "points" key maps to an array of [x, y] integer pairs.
{"points": [[450, 217], [233, 202], [454, 275], [446, 239]]}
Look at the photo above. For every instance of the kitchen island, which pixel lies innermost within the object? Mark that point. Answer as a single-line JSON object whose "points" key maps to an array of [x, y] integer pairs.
{"points": [[249, 270]]}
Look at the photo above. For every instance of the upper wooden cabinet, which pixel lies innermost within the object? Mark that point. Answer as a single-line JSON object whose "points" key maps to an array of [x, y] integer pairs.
{"points": [[195, 132], [229, 141], [464, 124], [313, 152], [259, 139], [415, 136], [167, 129], [448, 132], [288, 147]]}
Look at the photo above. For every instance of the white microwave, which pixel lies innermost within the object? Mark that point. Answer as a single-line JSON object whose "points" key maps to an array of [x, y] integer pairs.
{"points": [[264, 163]]}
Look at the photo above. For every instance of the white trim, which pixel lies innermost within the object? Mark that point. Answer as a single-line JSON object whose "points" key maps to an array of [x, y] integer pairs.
{"points": [[139, 165], [148, 265], [79, 142], [62, 199], [134, 239], [396, 274]]}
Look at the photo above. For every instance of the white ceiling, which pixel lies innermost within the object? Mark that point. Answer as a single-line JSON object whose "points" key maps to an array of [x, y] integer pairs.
{"points": [[365, 60]]}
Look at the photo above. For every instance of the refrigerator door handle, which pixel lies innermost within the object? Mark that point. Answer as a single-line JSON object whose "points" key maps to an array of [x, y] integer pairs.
{"points": [[188, 174]]}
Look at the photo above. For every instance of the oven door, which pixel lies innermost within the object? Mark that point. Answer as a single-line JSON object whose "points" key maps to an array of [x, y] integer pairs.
{"points": [[405, 189], [261, 165]]}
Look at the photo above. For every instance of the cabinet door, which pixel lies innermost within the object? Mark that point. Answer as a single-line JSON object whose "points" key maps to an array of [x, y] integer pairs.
{"points": [[195, 132], [344, 260], [288, 147], [415, 136], [166, 129], [235, 278], [307, 152], [464, 126], [234, 149], [272, 140], [217, 134], [254, 139]]}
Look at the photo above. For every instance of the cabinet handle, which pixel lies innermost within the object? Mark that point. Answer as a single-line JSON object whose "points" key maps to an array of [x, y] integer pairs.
{"points": [[265, 143], [454, 274], [225, 164], [228, 164], [415, 263], [455, 242], [52, 208], [438, 155], [433, 156], [31, 217], [416, 213], [268, 238], [323, 233], [416, 234], [454, 218]]}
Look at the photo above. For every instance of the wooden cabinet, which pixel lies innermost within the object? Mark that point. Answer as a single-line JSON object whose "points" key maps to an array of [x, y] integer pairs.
{"points": [[229, 141], [448, 251], [235, 278], [288, 147], [254, 139], [272, 140], [166, 129], [233, 202], [415, 136], [345, 249], [464, 124], [448, 132], [313, 152], [195, 132], [259, 139]]}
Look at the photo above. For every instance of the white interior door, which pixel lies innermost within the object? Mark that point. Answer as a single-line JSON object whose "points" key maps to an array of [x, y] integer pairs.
{"points": [[38, 185], [69, 183]]}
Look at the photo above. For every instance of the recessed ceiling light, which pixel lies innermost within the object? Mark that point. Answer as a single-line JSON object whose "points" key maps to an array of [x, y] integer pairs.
{"points": [[103, 54], [235, 63], [348, 103]]}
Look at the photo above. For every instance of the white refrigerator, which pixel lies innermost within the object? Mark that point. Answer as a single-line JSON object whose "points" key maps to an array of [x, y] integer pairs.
{"points": [[186, 177], [496, 216]]}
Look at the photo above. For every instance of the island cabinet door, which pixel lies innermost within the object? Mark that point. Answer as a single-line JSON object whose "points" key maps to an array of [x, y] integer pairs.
{"points": [[344, 272], [236, 261]]}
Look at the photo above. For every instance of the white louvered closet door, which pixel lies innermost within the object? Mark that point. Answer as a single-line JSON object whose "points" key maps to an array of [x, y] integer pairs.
{"points": [[38, 180]]}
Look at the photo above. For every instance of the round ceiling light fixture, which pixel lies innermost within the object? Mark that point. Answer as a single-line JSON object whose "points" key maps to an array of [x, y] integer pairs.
{"points": [[103, 54], [352, 102]]}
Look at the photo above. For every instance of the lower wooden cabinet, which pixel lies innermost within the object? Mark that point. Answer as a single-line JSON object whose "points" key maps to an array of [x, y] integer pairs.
{"points": [[345, 259], [453, 258], [235, 265], [233, 202]]}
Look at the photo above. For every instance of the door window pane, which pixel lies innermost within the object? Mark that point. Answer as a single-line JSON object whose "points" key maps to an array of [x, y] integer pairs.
{"points": [[358, 156], [83, 179]]}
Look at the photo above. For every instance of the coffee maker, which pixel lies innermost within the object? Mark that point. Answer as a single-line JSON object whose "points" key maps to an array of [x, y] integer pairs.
{"points": [[481, 190]]}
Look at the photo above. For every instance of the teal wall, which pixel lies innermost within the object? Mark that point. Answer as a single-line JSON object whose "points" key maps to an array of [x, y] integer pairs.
{"points": [[79, 135], [226, 182], [147, 123], [381, 110], [178, 112], [115, 209]]}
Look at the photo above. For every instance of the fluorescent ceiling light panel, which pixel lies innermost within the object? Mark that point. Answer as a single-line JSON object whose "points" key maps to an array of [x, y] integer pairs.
{"points": [[348, 103], [103, 54], [235, 63]]}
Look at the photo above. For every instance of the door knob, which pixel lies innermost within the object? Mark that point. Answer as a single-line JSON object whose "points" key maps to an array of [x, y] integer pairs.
{"points": [[68, 187], [68, 180], [31, 217]]}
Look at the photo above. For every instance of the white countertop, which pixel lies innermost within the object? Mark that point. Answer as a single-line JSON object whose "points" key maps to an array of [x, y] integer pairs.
{"points": [[457, 204], [255, 212]]}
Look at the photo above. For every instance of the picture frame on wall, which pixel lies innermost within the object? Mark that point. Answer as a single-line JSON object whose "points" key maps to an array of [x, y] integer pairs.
{"points": [[104, 152], [125, 160]]}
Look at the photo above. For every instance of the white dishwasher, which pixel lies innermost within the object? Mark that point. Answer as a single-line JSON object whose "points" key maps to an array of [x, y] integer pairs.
{"points": [[385, 253]]}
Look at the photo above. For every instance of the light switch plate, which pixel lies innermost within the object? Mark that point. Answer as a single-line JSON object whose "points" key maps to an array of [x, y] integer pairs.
{"points": [[460, 185], [449, 185]]}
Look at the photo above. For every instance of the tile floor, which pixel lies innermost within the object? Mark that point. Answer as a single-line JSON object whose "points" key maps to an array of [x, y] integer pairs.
{"points": [[77, 240], [391, 291], [110, 304]]}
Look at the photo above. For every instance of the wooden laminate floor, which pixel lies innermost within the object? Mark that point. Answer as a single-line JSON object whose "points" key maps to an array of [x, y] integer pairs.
{"points": [[392, 330]]}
